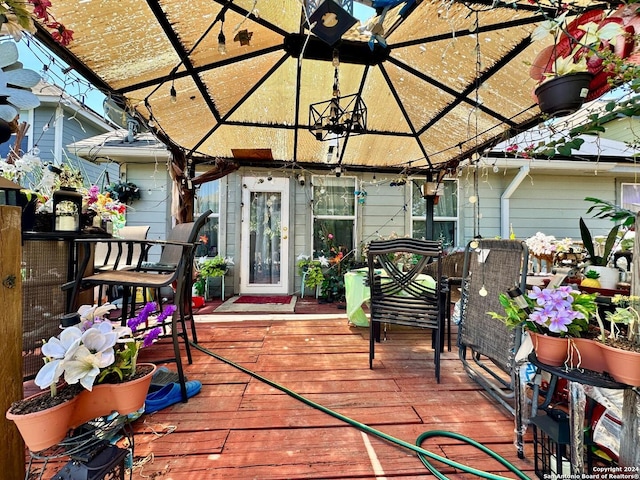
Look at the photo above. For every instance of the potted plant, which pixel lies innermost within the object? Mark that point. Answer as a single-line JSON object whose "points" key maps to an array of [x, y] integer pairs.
{"points": [[311, 272], [551, 316], [575, 67], [621, 343], [601, 261], [83, 365], [210, 268]]}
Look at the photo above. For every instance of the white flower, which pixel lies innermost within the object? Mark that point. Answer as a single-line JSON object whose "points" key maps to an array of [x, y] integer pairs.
{"points": [[89, 312], [302, 256], [541, 244], [228, 260], [324, 261], [57, 350]]}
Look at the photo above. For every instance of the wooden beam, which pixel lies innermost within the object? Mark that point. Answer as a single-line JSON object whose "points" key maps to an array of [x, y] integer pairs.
{"points": [[12, 454]]}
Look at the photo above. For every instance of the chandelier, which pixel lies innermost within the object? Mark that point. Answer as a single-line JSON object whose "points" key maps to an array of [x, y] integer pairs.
{"points": [[340, 116]]}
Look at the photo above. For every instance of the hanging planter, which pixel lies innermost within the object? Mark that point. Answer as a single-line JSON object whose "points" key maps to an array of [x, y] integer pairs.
{"points": [[563, 95]]}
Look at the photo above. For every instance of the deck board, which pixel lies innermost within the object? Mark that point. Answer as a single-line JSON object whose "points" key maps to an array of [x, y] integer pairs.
{"points": [[241, 428]]}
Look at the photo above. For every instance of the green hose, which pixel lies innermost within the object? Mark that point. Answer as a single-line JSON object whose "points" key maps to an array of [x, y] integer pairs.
{"points": [[422, 453]]}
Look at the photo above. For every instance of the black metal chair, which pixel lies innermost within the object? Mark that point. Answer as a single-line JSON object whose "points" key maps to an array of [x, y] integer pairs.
{"points": [[452, 265], [406, 297], [170, 256]]}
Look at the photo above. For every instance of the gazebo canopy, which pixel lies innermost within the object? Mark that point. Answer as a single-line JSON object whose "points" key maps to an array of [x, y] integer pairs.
{"points": [[440, 81]]}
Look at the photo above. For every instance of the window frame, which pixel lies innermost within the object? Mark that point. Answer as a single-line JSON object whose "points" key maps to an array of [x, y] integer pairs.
{"points": [[455, 219], [216, 215], [315, 183]]}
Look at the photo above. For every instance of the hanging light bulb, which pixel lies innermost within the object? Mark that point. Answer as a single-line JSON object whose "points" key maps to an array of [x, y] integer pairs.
{"points": [[173, 93], [222, 41], [483, 292]]}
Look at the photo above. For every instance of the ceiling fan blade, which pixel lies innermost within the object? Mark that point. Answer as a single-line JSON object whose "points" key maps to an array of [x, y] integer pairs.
{"points": [[7, 112], [8, 54], [21, 99], [22, 78]]}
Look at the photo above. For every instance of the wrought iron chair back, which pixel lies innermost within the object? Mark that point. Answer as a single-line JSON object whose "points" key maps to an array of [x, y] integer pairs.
{"points": [[406, 297]]}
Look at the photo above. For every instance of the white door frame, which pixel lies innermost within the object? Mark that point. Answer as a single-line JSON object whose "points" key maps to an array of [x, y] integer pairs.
{"points": [[275, 185]]}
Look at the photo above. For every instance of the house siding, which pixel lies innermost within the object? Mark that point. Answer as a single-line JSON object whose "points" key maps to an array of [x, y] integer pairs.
{"points": [[551, 204], [154, 206]]}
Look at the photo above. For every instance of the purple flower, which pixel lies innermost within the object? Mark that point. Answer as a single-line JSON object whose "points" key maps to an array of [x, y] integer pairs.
{"points": [[151, 336], [142, 317]]}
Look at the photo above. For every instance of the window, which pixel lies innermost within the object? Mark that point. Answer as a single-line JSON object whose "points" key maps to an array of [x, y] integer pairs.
{"points": [[334, 212], [631, 196], [445, 213], [208, 197]]}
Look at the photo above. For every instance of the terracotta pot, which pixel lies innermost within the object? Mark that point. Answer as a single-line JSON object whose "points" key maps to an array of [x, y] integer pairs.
{"points": [[587, 354], [563, 95], [124, 398], [622, 365], [45, 428], [552, 351]]}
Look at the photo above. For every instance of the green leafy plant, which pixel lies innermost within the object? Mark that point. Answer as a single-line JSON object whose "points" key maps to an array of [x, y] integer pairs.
{"points": [[209, 268], [313, 268], [625, 315], [558, 311], [625, 220]]}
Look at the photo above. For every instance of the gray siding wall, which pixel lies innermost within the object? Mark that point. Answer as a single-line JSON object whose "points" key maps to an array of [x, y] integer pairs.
{"points": [[547, 203], [154, 206], [43, 133], [550, 203]]}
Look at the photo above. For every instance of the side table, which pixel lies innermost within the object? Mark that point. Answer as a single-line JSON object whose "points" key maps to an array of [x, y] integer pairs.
{"points": [[576, 380]]}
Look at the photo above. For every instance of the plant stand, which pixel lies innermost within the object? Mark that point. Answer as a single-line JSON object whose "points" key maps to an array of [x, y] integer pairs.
{"points": [[208, 288], [91, 451]]}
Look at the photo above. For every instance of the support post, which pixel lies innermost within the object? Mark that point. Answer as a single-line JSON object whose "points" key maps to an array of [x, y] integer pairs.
{"points": [[12, 457]]}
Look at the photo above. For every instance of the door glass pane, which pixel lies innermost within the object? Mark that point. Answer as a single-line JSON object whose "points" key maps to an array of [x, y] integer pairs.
{"points": [[264, 229]]}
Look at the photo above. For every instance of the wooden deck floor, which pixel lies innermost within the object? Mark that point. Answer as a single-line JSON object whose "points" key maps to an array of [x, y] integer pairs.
{"points": [[241, 428]]}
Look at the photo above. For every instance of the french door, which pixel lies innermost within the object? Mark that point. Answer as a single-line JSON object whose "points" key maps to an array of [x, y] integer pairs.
{"points": [[265, 236]]}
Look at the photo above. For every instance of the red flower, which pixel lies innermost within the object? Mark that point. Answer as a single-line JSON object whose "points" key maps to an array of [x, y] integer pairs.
{"points": [[60, 33], [40, 8]]}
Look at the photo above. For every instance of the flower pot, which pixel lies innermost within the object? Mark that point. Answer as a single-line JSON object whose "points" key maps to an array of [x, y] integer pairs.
{"points": [[563, 95], [609, 276], [587, 354], [45, 428], [124, 398], [552, 351], [622, 365]]}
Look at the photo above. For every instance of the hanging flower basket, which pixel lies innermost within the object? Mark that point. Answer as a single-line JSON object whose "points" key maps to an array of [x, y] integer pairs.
{"points": [[563, 95]]}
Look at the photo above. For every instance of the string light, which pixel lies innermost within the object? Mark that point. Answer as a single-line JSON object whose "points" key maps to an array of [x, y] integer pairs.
{"points": [[222, 41], [173, 93]]}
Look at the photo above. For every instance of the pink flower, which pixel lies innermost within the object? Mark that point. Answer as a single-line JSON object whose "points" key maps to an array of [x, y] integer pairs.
{"points": [[330, 236]]}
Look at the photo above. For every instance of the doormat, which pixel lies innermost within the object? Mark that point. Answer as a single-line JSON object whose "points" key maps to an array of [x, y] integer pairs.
{"points": [[235, 305], [279, 299]]}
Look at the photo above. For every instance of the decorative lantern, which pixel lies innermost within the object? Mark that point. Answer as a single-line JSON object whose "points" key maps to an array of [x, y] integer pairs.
{"points": [[67, 205], [551, 439], [107, 463], [9, 192]]}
